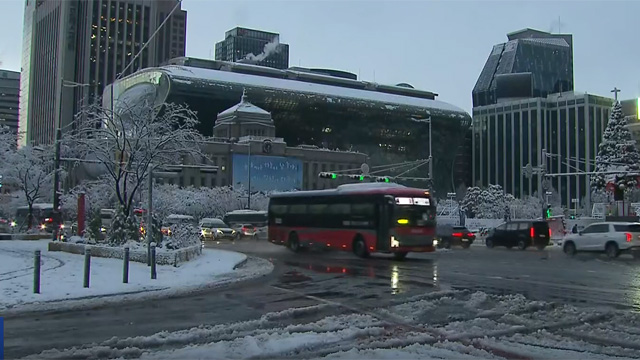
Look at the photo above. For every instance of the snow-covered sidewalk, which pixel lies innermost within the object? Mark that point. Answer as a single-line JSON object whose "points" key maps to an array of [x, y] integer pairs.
{"points": [[62, 277]]}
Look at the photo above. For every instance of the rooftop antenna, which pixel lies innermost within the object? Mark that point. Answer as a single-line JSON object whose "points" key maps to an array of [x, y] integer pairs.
{"points": [[244, 95]]}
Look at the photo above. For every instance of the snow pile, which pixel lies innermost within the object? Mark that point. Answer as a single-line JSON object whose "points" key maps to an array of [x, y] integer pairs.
{"points": [[62, 276]]}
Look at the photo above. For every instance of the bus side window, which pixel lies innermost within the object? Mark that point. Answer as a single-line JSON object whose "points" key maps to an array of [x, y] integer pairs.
{"points": [[339, 209], [279, 209], [363, 210], [318, 209], [298, 209]]}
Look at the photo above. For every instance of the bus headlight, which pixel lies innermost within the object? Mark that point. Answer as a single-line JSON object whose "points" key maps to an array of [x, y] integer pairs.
{"points": [[394, 242]]}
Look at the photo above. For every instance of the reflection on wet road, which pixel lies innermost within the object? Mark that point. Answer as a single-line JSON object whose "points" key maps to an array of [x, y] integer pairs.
{"points": [[541, 275]]}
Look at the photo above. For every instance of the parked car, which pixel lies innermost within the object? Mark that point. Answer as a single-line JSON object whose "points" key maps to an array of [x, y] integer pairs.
{"points": [[450, 235], [521, 234], [612, 238], [216, 229]]}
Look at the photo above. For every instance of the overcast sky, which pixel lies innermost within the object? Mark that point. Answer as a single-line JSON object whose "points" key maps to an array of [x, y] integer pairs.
{"points": [[440, 46]]}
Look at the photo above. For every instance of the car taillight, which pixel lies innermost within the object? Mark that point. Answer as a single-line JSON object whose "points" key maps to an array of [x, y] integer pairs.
{"points": [[470, 235], [457, 234], [549, 232], [531, 232], [629, 236], [244, 228]]}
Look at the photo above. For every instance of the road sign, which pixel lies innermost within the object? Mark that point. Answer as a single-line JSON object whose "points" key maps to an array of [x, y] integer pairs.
{"points": [[365, 169]]}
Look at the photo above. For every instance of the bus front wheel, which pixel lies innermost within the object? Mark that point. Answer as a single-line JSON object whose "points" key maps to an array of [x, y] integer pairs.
{"points": [[360, 248], [294, 243]]}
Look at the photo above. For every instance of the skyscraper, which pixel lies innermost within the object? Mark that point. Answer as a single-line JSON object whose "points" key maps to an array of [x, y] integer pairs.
{"points": [[531, 64], [9, 95], [73, 48], [253, 47]]}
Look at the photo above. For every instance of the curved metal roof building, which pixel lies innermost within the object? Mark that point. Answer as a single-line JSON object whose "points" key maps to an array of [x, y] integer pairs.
{"points": [[387, 122]]}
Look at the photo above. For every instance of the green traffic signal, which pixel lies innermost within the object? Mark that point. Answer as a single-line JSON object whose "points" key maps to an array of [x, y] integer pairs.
{"points": [[334, 176], [361, 177], [386, 179]]}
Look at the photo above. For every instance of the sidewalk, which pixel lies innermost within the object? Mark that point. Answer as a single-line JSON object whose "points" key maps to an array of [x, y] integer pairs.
{"points": [[62, 275]]}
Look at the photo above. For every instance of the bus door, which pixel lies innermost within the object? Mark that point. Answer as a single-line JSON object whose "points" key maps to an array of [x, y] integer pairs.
{"points": [[382, 224]]}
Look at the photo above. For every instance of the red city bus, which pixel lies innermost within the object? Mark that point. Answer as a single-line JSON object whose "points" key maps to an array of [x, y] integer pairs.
{"points": [[363, 218]]}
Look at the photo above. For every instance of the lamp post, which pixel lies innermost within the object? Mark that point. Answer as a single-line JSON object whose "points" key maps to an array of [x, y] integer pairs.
{"points": [[249, 177]]}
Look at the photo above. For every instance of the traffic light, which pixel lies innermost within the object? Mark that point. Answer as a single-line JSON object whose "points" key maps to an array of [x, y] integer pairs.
{"points": [[548, 212], [382, 179], [327, 175], [361, 178]]}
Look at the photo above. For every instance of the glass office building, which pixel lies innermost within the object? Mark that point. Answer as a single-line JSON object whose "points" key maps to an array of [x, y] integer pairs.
{"points": [[511, 134], [239, 42]]}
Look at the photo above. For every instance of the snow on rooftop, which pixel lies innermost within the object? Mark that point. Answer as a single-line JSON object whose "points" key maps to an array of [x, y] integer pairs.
{"points": [[192, 73], [245, 107]]}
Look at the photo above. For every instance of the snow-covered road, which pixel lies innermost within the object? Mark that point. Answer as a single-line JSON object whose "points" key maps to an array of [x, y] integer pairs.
{"points": [[477, 302], [444, 325]]}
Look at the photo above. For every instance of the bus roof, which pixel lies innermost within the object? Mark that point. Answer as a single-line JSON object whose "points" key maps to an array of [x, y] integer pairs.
{"points": [[236, 212], [358, 189]]}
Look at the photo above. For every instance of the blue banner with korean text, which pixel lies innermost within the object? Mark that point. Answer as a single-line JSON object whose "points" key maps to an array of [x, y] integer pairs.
{"points": [[268, 173]]}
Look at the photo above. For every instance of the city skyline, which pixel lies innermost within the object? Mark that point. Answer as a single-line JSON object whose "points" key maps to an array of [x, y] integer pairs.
{"points": [[385, 52]]}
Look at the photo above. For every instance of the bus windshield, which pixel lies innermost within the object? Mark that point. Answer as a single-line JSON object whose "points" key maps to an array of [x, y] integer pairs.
{"points": [[414, 212]]}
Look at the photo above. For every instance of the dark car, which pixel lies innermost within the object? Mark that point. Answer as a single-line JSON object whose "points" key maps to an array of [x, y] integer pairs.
{"points": [[454, 236], [521, 234]]}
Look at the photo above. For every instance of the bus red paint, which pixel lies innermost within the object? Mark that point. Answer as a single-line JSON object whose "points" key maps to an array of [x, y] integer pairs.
{"points": [[362, 218]]}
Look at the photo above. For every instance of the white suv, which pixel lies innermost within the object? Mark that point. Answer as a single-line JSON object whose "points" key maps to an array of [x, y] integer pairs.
{"points": [[611, 238]]}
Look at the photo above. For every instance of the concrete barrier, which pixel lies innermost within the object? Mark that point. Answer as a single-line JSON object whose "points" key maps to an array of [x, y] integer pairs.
{"points": [[25, 236], [172, 257]]}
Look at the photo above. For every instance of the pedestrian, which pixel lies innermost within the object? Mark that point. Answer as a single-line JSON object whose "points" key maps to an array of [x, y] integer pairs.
{"points": [[574, 230]]}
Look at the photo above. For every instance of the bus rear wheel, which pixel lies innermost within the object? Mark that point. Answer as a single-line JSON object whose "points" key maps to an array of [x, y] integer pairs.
{"points": [[360, 248], [399, 256], [294, 243]]}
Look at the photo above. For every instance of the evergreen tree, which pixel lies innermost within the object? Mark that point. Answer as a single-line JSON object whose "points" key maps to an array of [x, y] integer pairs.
{"points": [[617, 152], [123, 228]]}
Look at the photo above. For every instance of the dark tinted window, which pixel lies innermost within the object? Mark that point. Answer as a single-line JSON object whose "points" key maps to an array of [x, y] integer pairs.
{"points": [[278, 209], [598, 228], [629, 228], [318, 209], [362, 209]]}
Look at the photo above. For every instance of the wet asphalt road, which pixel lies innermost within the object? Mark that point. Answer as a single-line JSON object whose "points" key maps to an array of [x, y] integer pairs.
{"points": [[310, 278]]}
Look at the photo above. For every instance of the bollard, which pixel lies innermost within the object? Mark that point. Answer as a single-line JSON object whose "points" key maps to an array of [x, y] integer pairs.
{"points": [[153, 263], [125, 270], [87, 266], [36, 272]]}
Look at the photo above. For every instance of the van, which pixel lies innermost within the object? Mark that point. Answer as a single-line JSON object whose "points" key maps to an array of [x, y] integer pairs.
{"points": [[522, 234]]}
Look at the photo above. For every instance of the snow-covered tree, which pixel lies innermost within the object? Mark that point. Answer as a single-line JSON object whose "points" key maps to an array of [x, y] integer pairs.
{"points": [[470, 201], [138, 135], [98, 194], [30, 171], [123, 229], [617, 153]]}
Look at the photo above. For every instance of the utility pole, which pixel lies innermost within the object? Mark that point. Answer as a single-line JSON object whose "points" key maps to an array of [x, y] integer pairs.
{"points": [[150, 215], [249, 177], [430, 156]]}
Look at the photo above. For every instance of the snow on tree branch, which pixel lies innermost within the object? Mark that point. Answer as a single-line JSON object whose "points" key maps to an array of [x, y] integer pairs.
{"points": [[617, 152], [133, 138]]}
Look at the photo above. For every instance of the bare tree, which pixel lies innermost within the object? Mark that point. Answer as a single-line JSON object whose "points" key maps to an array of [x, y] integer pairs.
{"points": [[132, 138], [29, 170]]}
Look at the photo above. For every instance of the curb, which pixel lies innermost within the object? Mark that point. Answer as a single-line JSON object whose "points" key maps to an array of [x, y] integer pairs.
{"points": [[241, 263]]}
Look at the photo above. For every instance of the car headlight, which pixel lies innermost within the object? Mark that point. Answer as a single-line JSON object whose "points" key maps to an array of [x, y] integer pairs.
{"points": [[435, 242], [394, 242], [233, 231], [219, 231], [43, 226], [203, 232], [13, 224], [102, 229]]}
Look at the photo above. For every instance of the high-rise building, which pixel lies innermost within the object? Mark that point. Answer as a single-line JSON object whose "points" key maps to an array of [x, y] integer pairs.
{"points": [[253, 47], [531, 64], [73, 48], [509, 135], [9, 98]]}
